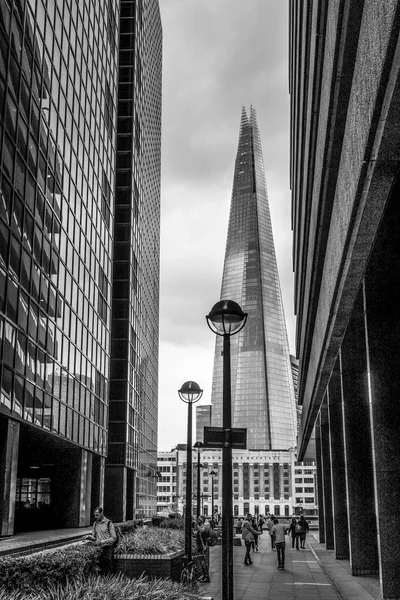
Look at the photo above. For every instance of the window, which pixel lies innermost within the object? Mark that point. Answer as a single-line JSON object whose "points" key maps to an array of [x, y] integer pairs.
{"points": [[308, 480]]}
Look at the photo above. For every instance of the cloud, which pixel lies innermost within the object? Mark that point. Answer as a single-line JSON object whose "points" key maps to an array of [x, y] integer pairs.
{"points": [[218, 56]]}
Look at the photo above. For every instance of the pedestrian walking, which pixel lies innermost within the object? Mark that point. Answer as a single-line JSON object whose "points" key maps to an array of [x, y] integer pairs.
{"points": [[248, 534], [201, 531], [254, 525], [260, 523], [304, 530], [278, 531], [103, 535], [270, 525], [295, 535]]}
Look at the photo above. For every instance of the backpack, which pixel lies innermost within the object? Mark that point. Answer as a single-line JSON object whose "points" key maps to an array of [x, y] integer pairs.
{"points": [[298, 528], [212, 538], [118, 533]]}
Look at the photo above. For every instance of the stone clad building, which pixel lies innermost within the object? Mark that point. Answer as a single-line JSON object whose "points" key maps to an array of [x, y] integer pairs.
{"points": [[345, 158]]}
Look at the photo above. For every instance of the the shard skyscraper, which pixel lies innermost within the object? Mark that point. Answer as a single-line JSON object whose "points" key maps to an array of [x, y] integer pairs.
{"points": [[262, 384]]}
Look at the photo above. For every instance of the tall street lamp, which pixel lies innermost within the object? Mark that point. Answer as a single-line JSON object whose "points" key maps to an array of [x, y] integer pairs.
{"points": [[212, 475], [225, 319], [190, 393], [199, 447]]}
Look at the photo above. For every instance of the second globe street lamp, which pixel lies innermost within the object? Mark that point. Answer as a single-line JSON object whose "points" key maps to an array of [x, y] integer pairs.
{"points": [[212, 475], [190, 393], [226, 318], [199, 447]]}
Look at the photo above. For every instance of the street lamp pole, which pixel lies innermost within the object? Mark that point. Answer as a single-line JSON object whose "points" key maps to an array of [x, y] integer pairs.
{"points": [[212, 475], [190, 393], [225, 319], [198, 446]]}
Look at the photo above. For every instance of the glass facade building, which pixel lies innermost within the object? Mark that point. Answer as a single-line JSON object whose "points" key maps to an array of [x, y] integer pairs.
{"points": [[262, 384], [62, 217]]}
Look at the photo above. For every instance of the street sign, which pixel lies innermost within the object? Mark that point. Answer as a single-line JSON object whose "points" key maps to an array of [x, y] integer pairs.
{"points": [[218, 437]]}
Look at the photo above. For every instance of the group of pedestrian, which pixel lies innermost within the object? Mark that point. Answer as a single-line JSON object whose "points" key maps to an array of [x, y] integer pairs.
{"points": [[251, 530], [298, 530], [104, 535]]}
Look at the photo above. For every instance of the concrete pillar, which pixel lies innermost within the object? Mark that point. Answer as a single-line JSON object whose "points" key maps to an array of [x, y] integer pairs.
{"points": [[241, 480], [338, 475], [85, 488], [9, 445], [382, 320], [326, 475], [320, 489], [358, 450], [115, 486]]}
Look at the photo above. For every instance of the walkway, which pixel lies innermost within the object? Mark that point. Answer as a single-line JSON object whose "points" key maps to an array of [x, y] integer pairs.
{"points": [[310, 574]]}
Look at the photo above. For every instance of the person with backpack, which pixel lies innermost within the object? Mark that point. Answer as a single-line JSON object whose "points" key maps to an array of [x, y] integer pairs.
{"points": [[295, 535], [204, 537], [254, 544], [103, 535], [248, 534], [304, 530]]}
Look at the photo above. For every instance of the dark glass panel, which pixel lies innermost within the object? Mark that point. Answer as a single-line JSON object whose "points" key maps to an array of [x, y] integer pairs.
{"points": [[9, 344], [8, 157], [17, 216], [23, 311], [6, 197], [12, 300], [4, 238], [6, 388], [15, 257], [29, 401], [19, 392], [3, 279]]}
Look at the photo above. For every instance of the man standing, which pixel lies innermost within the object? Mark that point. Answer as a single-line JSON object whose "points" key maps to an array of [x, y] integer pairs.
{"points": [[278, 531], [270, 525], [201, 530], [104, 536], [248, 535]]}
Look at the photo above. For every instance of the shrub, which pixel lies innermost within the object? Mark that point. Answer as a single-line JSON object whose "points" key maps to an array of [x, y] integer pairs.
{"points": [[111, 587], [40, 570], [173, 523], [152, 540]]}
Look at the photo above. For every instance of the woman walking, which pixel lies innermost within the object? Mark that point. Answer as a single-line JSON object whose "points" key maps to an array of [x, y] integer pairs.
{"points": [[248, 534], [292, 531], [304, 530]]}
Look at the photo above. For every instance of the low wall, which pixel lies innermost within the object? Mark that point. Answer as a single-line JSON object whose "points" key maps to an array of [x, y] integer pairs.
{"points": [[162, 566]]}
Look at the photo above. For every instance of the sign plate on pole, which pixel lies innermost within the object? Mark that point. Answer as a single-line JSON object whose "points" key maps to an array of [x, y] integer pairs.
{"points": [[214, 437]]}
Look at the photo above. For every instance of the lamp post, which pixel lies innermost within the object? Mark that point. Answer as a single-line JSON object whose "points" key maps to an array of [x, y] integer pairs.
{"points": [[225, 319], [212, 475], [198, 446], [190, 393]]}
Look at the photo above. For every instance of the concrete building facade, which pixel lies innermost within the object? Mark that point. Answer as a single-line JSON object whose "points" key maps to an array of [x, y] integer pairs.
{"points": [[345, 142]]}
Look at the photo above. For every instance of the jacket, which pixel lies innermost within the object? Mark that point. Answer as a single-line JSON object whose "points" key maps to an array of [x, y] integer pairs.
{"points": [[248, 532]]}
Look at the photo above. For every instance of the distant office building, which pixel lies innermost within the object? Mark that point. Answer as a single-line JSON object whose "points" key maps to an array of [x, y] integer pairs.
{"points": [[262, 384], [167, 482], [132, 448], [203, 419], [345, 90], [80, 112]]}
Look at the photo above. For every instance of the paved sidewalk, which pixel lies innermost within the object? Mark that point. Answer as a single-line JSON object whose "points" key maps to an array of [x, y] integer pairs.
{"points": [[27, 543], [305, 576], [310, 574]]}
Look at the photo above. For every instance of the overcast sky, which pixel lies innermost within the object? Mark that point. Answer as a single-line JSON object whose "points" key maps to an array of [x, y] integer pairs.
{"points": [[217, 56]]}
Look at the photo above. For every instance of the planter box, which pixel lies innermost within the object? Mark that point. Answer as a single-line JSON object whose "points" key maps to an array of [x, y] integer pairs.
{"points": [[162, 566]]}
